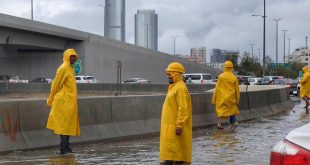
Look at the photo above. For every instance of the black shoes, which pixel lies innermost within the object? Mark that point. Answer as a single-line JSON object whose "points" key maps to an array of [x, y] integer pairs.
{"points": [[68, 150], [65, 150]]}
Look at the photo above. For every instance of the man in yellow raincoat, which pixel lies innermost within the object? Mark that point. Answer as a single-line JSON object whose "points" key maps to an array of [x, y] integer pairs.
{"points": [[176, 119], [63, 118], [226, 96], [305, 87]]}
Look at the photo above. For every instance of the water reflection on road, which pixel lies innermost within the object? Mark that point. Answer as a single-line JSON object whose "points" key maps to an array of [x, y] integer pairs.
{"points": [[249, 144]]}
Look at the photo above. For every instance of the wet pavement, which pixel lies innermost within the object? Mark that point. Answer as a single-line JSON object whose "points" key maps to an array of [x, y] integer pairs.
{"points": [[250, 143]]}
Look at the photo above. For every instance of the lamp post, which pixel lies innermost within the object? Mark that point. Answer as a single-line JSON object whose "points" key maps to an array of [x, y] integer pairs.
{"points": [[284, 32], [173, 36], [31, 9], [306, 42], [252, 45], [289, 46], [264, 36], [277, 21], [259, 55]]}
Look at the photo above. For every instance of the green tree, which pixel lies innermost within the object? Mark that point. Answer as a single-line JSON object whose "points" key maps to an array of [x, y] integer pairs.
{"points": [[249, 66], [291, 71]]}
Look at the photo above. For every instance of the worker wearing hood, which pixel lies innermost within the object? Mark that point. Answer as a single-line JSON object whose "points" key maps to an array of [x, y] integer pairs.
{"points": [[63, 118], [227, 95], [305, 86], [176, 119]]}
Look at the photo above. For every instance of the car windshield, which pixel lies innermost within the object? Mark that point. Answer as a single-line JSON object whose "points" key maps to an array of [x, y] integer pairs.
{"points": [[207, 77], [251, 80], [195, 77], [279, 82]]}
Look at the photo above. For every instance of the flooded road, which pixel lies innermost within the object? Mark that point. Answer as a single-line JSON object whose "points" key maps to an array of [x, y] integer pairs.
{"points": [[249, 144]]}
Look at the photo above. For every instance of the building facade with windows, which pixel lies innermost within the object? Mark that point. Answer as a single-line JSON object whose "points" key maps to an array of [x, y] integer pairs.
{"points": [[219, 56], [300, 55], [114, 19], [198, 55], [146, 29]]}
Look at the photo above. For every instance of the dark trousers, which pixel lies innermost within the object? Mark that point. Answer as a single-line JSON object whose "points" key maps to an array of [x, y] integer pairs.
{"points": [[64, 142], [232, 119], [170, 162]]}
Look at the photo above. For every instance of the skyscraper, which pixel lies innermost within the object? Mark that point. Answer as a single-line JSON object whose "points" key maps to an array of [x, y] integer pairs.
{"points": [[114, 19], [146, 29]]}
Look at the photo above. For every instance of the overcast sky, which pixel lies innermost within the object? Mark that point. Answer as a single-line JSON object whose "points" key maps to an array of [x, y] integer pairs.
{"points": [[223, 24]]}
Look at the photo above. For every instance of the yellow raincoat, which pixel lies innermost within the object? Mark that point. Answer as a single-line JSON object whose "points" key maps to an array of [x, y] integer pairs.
{"points": [[63, 117], [176, 112], [226, 94], [305, 83]]}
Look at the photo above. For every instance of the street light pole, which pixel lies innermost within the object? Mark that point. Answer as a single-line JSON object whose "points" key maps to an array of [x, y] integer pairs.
{"points": [[284, 32], [264, 42], [306, 42], [31, 9], [174, 43], [289, 46], [277, 21], [264, 36], [252, 45], [259, 55]]}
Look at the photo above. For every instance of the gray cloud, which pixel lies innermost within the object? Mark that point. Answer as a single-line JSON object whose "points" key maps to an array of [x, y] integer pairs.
{"points": [[223, 24]]}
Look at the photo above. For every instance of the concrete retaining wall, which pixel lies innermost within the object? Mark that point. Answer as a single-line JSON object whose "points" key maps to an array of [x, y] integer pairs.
{"points": [[108, 117], [109, 89]]}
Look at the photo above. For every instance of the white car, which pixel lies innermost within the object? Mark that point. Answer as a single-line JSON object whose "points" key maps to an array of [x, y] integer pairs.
{"points": [[254, 81], [85, 79], [137, 81], [294, 149], [198, 78]]}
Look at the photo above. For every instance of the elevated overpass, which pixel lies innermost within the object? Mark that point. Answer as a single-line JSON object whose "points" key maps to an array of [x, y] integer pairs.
{"points": [[32, 49]]}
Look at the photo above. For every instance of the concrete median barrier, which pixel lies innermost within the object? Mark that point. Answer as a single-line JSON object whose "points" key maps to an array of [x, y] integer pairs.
{"points": [[23, 121]]}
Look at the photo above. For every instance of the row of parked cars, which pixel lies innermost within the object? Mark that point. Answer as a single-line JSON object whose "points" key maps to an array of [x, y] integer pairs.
{"points": [[15, 79], [292, 84], [189, 78]]}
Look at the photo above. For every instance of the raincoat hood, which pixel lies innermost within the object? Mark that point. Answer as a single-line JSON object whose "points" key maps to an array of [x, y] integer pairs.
{"points": [[175, 67], [228, 66], [228, 69], [305, 69], [67, 54]]}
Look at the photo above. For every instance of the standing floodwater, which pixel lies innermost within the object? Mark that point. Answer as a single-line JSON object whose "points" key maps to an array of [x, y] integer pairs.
{"points": [[249, 144]]}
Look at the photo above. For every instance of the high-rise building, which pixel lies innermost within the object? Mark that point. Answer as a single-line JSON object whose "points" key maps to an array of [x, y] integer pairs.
{"points": [[146, 29], [300, 55], [220, 56], [114, 19]]}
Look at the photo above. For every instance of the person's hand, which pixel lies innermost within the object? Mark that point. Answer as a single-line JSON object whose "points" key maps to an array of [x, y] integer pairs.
{"points": [[178, 131], [49, 102]]}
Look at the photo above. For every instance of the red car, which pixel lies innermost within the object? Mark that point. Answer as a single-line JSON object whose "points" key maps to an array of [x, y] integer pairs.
{"points": [[294, 149]]}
